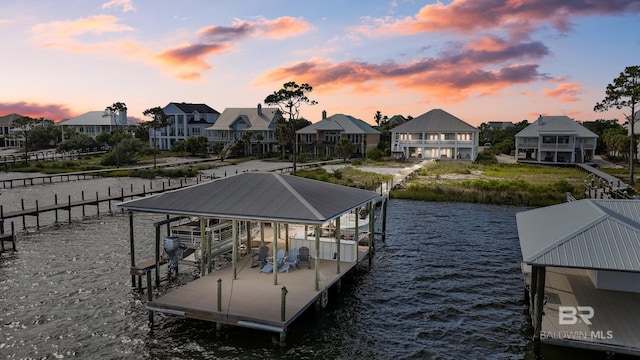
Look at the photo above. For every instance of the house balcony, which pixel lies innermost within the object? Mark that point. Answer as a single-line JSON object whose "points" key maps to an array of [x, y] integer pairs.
{"points": [[434, 143]]}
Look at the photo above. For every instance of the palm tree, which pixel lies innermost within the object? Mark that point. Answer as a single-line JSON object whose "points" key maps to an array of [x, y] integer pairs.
{"points": [[159, 120]]}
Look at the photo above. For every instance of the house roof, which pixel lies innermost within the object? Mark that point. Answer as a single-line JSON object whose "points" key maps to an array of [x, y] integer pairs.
{"points": [[95, 118], [555, 125], [188, 108], [258, 120], [589, 234], [258, 196], [396, 120], [7, 120], [434, 120], [345, 124]]}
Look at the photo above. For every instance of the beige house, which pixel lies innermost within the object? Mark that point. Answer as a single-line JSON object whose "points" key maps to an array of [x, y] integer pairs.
{"points": [[556, 139], [320, 139], [233, 123], [435, 135]]}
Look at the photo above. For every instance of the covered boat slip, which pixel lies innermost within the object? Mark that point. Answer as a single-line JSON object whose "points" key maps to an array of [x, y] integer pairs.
{"points": [[252, 300], [582, 269], [615, 324]]}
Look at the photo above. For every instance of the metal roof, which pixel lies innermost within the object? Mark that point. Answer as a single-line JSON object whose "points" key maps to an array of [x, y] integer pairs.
{"points": [[589, 234], [555, 125], [346, 124], [259, 118], [92, 118], [434, 120], [258, 196]]}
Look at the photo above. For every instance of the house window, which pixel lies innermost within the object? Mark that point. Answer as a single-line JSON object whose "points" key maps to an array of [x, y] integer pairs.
{"points": [[331, 137], [449, 136], [549, 139], [195, 131]]}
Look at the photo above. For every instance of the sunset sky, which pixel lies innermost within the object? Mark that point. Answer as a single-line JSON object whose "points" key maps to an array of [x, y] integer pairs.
{"points": [[480, 60]]}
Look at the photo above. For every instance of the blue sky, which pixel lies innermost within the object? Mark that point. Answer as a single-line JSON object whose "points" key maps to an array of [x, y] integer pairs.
{"points": [[480, 60]]}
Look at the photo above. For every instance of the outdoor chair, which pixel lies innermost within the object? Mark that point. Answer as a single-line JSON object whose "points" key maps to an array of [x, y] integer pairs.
{"points": [[268, 267], [292, 259], [304, 257], [261, 257]]}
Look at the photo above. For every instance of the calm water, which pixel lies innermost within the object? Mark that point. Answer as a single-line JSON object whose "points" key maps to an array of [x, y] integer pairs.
{"points": [[444, 285]]}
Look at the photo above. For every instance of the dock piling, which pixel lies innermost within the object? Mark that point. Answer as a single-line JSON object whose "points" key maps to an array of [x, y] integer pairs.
{"points": [[149, 295], [219, 307]]}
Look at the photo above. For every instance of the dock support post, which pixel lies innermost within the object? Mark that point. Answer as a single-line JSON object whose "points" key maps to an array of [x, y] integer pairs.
{"points": [[203, 248], [356, 235], [37, 216], [149, 295], [97, 204], [539, 301], [384, 218], [317, 259], [337, 254], [69, 207], [275, 252], [371, 230], [219, 307], [283, 304], [286, 237], [261, 234], [131, 244], [13, 236], [157, 255], [83, 212], [283, 314], [24, 226], [234, 248], [55, 198]]}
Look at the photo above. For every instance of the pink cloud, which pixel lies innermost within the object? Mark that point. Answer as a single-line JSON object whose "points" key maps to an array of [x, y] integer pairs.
{"points": [[515, 16], [126, 5], [276, 29], [54, 112], [565, 92]]}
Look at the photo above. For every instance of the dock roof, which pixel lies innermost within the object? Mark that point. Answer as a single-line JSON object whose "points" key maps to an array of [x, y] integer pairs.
{"points": [[588, 234], [258, 196]]}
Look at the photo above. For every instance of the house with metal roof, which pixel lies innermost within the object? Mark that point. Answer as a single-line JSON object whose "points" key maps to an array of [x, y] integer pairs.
{"points": [[234, 123], [435, 135], [185, 120], [6, 125], [93, 123], [556, 139], [581, 261], [319, 139]]}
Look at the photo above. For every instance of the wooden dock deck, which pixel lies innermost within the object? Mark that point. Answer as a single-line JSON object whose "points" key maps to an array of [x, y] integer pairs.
{"points": [[252, 300], [615, 324]]}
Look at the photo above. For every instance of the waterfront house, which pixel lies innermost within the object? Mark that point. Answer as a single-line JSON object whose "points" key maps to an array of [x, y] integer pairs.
{"points": [[581, 262], [320, 139], [435, 135], [93, 123], [556, 139], [186, 120], [11, 139], [234, 123]]}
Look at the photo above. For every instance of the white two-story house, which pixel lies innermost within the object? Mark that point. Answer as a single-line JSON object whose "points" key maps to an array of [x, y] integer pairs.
{"points": [[93, 123], [186, 120], [556, 139], [435, 135]]}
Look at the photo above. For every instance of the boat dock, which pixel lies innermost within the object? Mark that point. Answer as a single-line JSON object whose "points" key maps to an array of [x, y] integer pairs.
{"points": [[252, 300]]}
